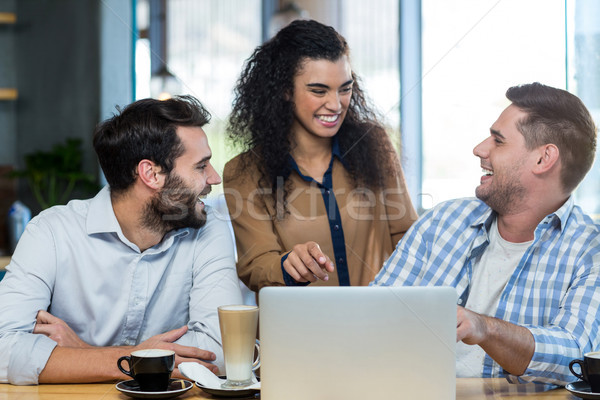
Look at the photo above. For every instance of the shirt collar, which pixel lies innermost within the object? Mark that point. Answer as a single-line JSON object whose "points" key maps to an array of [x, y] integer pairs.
{"points": [[561, 215], [485, 219], [101, 218]]}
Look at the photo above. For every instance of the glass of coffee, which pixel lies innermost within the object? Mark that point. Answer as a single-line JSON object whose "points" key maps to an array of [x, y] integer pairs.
{"points": [[239, 324], [151, 368]]}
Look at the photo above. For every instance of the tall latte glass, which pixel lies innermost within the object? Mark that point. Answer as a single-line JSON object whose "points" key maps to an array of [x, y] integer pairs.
{"points": [[239, 324]]}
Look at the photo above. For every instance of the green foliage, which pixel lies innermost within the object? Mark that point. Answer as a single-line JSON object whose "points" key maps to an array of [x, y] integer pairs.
{"points": [[53, 175]]}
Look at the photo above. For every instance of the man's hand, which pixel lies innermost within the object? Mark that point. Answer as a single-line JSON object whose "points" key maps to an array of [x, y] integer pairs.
{"points": [[58, 330], [512, 346], [307, 263], [471, 327], [182, 353]]}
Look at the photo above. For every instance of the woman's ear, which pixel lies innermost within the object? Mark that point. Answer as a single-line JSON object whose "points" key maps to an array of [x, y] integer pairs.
{"points": [[150, 174]]}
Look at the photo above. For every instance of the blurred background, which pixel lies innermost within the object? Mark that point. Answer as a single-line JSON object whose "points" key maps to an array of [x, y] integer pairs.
{"points": [[436, 69]]}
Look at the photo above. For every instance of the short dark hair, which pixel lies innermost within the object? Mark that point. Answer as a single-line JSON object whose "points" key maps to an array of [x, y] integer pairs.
{"points": [[145, 129], [558, 117]]}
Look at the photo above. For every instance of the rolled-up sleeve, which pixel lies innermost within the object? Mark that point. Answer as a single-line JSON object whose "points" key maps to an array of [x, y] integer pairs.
{"points": [[23, 292], [573, 331], [28, 355]]}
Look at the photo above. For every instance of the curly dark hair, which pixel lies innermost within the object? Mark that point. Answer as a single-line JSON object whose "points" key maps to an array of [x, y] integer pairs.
{"points": [[263, 110]]}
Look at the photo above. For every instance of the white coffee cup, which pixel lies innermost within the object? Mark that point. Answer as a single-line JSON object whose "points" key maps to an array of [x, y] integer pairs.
{"points": [[239, 324]]}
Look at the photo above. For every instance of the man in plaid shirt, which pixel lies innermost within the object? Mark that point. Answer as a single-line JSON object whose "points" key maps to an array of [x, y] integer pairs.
{"points": [[524, 259]]}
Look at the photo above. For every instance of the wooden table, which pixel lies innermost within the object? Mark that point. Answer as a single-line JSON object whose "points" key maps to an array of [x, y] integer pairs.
{"points": [[466, 389], [499, 388]]}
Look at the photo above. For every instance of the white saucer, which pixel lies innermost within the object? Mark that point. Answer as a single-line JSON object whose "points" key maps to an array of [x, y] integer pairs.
{"points": [[229, 392], [582, 390], [132, 389]]}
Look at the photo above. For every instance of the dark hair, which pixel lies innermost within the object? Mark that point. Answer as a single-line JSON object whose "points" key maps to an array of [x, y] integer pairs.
{"points": [[263, 109], [558, 117], [145, 129]]}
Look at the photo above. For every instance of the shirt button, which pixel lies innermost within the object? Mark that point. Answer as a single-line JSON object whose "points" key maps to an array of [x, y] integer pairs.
{"points": [[328, 191], [340, 260], [336, 227], [459, 301]]}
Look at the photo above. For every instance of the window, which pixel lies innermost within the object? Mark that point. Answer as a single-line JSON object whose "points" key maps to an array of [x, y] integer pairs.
{"points": [[583, 79], [371, 30], [473, 50], [207, 44], [462, 56]]}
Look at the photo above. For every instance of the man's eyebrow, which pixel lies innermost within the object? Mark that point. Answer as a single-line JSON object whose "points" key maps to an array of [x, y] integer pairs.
{"points": [[497, 133], [205, 159]]}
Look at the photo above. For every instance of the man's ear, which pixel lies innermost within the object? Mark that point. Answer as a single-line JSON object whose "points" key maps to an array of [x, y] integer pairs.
{"points": [[150, 174], [548, 156]]}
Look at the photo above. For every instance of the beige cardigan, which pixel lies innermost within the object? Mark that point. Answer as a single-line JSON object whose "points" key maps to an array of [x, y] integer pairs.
{"points": [[372, 224]]}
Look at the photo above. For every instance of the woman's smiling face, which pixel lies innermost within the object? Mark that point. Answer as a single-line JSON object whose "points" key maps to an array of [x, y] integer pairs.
{"points": [[322, 92]]}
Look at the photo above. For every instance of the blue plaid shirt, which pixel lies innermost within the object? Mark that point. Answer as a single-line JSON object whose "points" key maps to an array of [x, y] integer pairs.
{"points": [[554, 291]]}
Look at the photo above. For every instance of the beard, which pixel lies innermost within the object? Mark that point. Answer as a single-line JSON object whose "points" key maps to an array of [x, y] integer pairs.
{"points": [[505, 197], [174, 207]]}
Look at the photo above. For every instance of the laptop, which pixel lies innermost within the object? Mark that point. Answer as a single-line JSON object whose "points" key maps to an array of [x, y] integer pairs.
{"points": [[357, 343]]}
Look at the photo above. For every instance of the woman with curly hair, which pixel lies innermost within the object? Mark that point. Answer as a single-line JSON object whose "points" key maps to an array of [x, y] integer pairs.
{"points": [[318, 195]]}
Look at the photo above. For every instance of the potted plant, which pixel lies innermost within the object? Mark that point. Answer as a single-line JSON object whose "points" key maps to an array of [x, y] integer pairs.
{"points": [[53, 175]]}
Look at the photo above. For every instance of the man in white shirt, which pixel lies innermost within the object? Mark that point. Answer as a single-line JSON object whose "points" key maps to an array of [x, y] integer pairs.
{"points": [[144, 264]]}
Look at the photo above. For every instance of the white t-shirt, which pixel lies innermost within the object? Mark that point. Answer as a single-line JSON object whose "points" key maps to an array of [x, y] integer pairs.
{"points": [[490, 275]]}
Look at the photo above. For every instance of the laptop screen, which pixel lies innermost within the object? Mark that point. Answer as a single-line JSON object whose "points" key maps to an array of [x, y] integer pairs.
{"points": [[357, 342]]}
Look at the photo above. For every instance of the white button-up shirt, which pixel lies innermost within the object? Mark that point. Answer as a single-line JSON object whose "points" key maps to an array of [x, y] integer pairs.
{"points": [[75, 262]]}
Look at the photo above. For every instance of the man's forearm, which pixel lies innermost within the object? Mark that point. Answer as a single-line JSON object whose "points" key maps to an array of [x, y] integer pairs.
{"points": [[73, 365], [511, 346]]}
